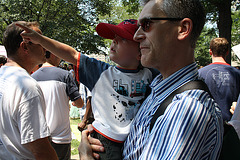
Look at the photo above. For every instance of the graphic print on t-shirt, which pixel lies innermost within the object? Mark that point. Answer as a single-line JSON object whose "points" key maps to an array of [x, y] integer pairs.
{"points": [[136, 92], [222, 78]]}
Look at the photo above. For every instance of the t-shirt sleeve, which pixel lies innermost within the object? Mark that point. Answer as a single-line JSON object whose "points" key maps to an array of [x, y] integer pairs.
{"points": [[31, 120], [72, 88], [89, 70]]}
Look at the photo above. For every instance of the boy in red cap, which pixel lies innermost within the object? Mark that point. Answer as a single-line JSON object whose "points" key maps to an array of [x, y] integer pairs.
{"points": [[117, 91]]}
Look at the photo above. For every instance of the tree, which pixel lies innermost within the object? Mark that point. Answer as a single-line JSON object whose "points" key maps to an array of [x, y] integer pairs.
{"points": [[236, 28], [235, 32], [202, 55], [69, 21], [220, 11]]}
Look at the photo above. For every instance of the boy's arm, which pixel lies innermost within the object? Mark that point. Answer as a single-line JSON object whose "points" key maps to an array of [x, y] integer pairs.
{"points": [[61, 50]]}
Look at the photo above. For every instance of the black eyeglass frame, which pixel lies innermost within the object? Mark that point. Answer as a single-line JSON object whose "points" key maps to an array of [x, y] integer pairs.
{"points": [[156, 18]]}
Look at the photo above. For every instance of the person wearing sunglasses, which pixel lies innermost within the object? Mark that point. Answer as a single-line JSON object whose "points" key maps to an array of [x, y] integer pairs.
{"points": [[117, 91], [191, 126]]}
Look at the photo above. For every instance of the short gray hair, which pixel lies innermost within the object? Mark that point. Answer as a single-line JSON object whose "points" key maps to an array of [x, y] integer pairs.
{"points": [[192, 9]]}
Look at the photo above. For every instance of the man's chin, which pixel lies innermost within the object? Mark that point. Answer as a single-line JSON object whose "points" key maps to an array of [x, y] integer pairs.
{"points": [[145, 63]]}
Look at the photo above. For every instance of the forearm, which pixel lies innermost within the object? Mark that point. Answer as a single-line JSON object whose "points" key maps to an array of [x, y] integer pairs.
{"points": [[42, 149], [78, 103], [88, 110], [46, 156], [61, 50]]}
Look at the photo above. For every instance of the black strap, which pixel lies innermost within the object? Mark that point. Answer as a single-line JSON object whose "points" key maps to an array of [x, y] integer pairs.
{"points": [[197, 84]]}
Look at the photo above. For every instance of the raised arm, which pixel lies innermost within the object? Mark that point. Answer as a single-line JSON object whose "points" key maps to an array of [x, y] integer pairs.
{"points": [[61, 50]]}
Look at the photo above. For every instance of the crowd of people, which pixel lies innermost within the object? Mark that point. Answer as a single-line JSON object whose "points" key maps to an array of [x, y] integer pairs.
{"points": [[154, 57]]}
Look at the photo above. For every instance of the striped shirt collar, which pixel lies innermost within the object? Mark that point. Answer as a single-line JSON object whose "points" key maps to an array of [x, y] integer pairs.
{"points": [[139, 133], [182, 76]]}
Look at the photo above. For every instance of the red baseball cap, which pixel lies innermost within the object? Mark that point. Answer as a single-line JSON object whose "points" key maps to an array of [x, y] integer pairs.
{"points": [[125, 29]]}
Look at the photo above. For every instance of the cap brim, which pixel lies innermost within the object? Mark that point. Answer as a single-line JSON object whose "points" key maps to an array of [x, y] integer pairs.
{"points": [[109, 31]]}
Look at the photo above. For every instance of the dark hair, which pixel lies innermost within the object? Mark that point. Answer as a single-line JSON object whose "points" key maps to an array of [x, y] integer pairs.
{"points": [[219, 47], [12, 38], [3, 59], [192, 9]]}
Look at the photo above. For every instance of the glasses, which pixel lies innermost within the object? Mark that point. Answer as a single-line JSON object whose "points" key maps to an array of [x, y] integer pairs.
{"points": [[146, 22]]}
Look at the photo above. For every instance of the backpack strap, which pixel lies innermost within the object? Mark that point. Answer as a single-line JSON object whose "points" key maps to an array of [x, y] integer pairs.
{"points": [[197, 84]]}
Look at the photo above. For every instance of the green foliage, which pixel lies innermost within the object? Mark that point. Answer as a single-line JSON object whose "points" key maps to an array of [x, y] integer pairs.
{"points": [[132, 6], [236, 28], [102, 7], [69, 21], [202, 56]]}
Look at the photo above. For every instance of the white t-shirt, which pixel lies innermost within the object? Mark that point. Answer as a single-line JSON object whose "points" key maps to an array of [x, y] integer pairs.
{"points": [[22, 111], [117, 95], [58, 86]]}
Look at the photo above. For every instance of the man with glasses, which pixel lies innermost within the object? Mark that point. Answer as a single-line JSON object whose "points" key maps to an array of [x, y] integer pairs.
{"points": [[191, 126]]}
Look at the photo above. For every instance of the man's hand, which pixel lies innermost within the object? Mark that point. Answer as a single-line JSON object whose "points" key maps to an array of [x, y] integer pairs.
{"points": [[81, 126], [89, 145], [84, 149]]}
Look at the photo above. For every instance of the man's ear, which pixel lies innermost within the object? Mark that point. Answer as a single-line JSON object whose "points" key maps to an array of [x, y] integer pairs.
{"points": [[227, 53], [23, 46], [185, 28], [210, 52]]}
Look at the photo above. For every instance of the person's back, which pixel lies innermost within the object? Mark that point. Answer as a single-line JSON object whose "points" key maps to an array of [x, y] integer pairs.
{"points": [[222, 79], [52, 81], [58, 87]]}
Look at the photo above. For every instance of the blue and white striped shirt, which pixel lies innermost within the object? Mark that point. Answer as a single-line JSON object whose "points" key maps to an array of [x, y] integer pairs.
{"points": [[190, 128]]}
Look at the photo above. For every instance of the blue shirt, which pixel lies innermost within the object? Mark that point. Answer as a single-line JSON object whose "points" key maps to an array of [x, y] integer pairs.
{"points": [[190, 128], [223, 82]]}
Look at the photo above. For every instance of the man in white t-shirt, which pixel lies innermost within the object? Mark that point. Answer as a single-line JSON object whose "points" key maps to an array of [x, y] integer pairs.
{"points": [[23, 128]]}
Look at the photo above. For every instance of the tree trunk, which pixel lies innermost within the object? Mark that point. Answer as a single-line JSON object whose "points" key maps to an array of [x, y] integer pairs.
{"points": [[225, 23]]}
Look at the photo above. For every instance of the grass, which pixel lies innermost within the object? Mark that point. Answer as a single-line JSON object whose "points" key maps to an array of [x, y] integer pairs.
{"points": [[74, 146], [75, 142], [74, 121]]}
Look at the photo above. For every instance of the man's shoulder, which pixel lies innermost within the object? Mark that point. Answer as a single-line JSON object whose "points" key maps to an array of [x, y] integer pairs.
{"points": [[50, 73], [219, 67]]}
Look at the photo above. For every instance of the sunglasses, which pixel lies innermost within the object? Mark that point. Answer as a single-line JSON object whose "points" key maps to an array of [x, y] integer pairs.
{"points": [[146, 22]]}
